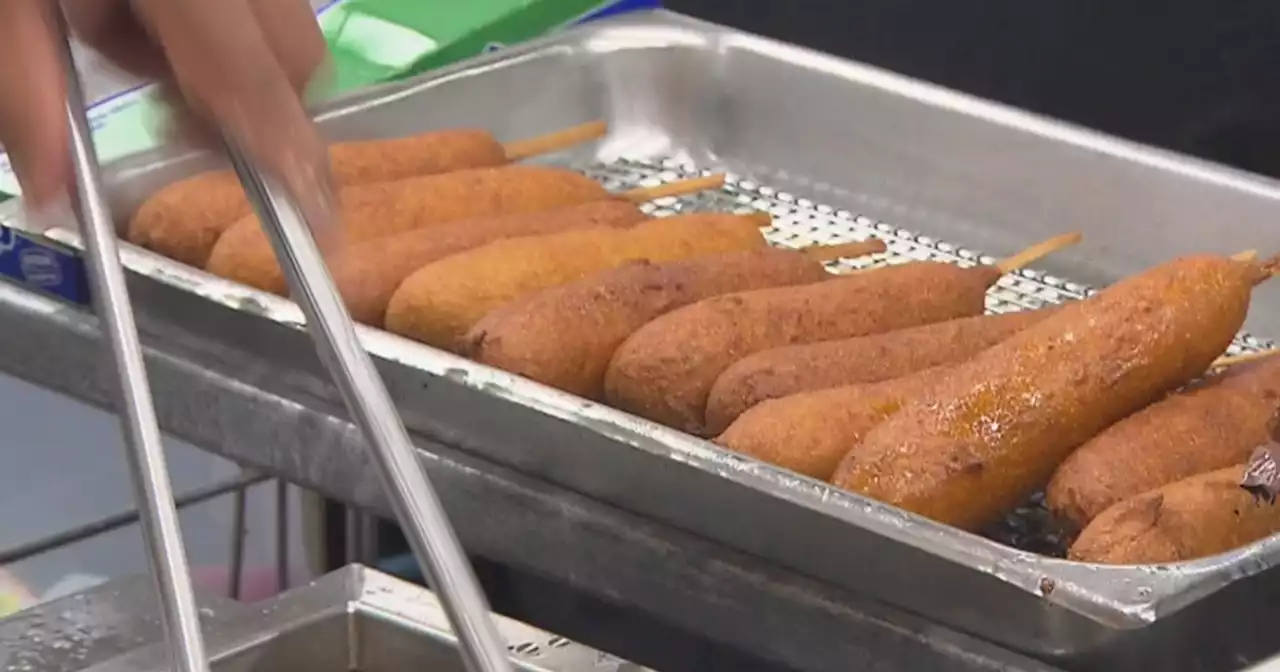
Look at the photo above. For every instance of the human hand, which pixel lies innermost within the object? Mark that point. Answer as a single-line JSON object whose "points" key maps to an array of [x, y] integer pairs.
{"points": [[236, 65]]}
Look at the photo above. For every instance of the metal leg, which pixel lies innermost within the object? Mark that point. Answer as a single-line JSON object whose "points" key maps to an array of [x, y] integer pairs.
{"points": [[153, 492], [282, 535], [354, 540], [235, 567], [123, 519]]}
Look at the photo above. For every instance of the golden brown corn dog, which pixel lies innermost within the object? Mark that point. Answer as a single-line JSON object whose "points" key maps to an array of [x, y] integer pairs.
{"points": [[1193, 518], [184, 220], [811, 432], [375, 211], [665, 370], [564, 337], [370, 211], [999, 425], [780, 372], [368, 273], [1188, 433], [441, 301]]}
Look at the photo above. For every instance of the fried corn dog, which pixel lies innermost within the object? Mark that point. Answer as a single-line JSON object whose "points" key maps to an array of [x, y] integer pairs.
{"points": [[244, 253], [793, 369], [441, 301], [811, 432], [665, 370], [368, 273], [1184, 434], [370, 211], [1188, 519], [184, 220], [999, 425], [564, 337]]}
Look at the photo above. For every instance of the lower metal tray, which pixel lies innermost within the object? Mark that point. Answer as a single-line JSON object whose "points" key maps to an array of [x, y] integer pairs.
{"points": [[833, 149], [351, 619]]}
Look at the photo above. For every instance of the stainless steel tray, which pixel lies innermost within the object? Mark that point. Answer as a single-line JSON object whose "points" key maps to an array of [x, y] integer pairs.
{"points": [[351, 619], [842, 148]]}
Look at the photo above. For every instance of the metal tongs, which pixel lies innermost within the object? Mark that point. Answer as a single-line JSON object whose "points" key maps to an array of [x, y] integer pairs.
{"points": [[416, 504]]}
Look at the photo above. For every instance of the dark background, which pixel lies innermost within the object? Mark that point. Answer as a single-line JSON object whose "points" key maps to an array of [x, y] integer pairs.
{"points": [[1201, 77]]}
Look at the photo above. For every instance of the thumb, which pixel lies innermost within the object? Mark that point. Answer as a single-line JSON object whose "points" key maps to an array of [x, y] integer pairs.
{"points": [[32, 95]]}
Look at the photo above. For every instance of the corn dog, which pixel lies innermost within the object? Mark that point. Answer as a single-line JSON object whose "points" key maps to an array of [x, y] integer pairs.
{"points": [[564, 337], [1192, 518], [1188, 433], [370, 211], [184, 220], [441, 301], [368, 273], [788, 370], [811, 432], [998, 425], [665, 370]]}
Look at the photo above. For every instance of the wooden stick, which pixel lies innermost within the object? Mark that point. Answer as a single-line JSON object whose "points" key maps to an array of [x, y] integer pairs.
{"points": [[844, 250], [681, 188], [1232, 360], [1271, 266], [555, 141], [1038, 251], [1247, 255]]}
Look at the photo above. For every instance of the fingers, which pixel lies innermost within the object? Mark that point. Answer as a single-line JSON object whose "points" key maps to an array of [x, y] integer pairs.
{"points": [[291, 31], [32, 95], [109, 27], [240, 74]]}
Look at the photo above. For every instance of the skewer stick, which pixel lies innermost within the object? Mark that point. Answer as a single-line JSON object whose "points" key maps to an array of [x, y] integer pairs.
{"points": [[1232, 360], [1247, 255], [681, 188], [844, 250], [555, 141], [1271, 266], [1038, 251]]}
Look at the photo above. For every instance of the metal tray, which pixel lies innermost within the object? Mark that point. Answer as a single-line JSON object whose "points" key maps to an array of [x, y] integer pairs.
{"points": [[350, 619], [843, 148]]}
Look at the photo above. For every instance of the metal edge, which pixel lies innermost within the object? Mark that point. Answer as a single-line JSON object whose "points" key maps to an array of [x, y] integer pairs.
{"points": [[351, 589], [1157, 590], [97, 624]]}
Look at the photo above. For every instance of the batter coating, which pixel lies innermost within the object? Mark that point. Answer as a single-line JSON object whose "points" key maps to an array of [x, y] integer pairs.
{"points": [[1188, 433], [371, 211], [564, 337], [811, 432], [184, 220], [368, 273], [789, 370], [665, 370], [995, 430], [440, 302], [1189, 519]]}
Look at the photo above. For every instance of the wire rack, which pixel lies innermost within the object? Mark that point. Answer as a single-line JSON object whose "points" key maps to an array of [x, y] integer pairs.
{"points": [[800, 222]]}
